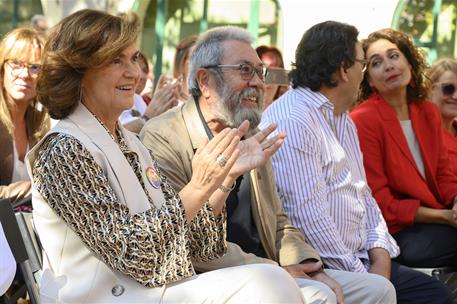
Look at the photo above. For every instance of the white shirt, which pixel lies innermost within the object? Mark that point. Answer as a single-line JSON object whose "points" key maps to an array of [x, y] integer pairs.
{"points": [[19, 167], [322, 183], [413, 145], [138, 109]]}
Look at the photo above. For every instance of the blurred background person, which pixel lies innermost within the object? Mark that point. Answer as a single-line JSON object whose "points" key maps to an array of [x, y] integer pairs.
{"points": [[148, 89], [404, 155], [271, 58], [181, 65], [443, 93], [40, 24], [23, 122], [164, 98], [121, 234]]}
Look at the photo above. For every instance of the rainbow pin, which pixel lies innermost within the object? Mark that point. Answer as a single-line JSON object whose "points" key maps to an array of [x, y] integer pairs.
{"points": [[153, 177]]}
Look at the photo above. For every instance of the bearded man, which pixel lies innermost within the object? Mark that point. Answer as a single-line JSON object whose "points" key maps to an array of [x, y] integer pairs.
{"points": [[226, 81]]}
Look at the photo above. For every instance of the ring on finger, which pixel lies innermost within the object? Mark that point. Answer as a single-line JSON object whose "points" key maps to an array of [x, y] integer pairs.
{"points": [[221, 160]]}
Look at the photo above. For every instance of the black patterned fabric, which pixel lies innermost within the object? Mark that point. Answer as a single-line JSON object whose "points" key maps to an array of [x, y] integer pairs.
{"points": [[154, 247]]}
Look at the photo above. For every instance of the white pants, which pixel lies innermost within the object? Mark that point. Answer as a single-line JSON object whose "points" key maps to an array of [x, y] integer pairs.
{"points": [[265, 283], [254, 283], [358, 288]]}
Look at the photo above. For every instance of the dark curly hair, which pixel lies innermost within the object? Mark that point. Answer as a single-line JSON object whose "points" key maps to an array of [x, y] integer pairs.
{"points": [[323, 49], [416, 92]]}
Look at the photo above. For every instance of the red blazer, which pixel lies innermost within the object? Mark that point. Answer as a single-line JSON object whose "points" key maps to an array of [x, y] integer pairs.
{"points": [[450, 142], [392, 174]]}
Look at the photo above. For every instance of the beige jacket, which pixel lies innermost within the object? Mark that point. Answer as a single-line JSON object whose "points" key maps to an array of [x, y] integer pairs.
{"points": [[174, 137]]}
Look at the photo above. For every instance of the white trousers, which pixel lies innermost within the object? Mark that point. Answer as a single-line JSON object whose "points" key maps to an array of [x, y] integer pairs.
{"points": [[358, 288], [266, 283], [254, 283]]}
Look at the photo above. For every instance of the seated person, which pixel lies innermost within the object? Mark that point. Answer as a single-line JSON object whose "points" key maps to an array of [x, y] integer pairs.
{"points": [[443, 93], [271, 57], [404, 154], [227, 89], [22, 120], [163, 99], [120, 232], [319, 169], [181, 65]]}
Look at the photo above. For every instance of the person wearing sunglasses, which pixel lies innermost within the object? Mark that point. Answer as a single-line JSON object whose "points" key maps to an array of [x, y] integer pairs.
{"points": [[22, 121], [443, 93], [404, 154]]}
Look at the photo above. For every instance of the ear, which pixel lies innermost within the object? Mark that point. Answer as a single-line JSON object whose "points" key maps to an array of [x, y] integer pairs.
{"points": [[203, 79], [343, 74]]}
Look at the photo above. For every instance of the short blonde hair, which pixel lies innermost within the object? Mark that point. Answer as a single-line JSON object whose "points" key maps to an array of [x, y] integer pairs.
{"points": [[84, 40], [14, 45], [440, 67]]}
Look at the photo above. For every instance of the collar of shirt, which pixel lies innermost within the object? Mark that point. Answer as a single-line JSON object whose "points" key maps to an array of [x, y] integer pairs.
{"points": [[326, 107]]}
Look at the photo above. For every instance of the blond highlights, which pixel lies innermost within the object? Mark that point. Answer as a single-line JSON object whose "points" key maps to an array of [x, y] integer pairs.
{"points": [[13, 46], [440, 67]]}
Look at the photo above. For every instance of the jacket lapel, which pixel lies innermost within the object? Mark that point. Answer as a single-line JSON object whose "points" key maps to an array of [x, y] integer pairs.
{"points": [[193, 123], [133, 195], [394, 129]]}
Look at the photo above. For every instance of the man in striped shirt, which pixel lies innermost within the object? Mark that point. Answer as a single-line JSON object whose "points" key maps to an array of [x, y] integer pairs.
{"points": [[319, 168]]}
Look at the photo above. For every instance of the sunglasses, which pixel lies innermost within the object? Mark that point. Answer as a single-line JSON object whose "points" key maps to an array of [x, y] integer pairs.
{"points": [[448, 89]]}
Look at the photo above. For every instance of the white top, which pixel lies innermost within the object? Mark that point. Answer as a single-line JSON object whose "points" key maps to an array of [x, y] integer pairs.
{"points": [[7, 263], [138, 109], [413, 145], [19, 167]]}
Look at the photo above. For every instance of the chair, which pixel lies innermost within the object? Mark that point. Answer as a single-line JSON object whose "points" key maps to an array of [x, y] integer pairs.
{"points": [[25, 248], [447, 275]]}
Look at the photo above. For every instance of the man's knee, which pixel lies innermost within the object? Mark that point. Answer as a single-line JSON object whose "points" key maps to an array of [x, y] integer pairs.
{"points": [[364, 287], [381, 289]]}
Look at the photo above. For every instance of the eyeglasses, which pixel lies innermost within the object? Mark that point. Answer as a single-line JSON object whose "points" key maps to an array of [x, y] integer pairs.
{"points": [[17, 66], [448, 89], [364, 63], [247, 70]]}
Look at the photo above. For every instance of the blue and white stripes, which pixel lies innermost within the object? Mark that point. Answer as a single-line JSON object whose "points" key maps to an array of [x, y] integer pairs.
{"points": [[321, 181]]}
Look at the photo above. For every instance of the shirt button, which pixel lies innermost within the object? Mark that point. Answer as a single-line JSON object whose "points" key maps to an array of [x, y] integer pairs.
{"points": [[117, 290]]}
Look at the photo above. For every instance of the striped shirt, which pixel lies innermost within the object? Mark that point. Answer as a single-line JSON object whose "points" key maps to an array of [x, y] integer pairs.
{"points": [[322, 183]]}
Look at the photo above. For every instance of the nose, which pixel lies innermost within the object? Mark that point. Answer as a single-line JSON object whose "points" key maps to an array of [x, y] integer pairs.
{"points": [[388, 65], [24, 72], [256, 81], [133, 71]]}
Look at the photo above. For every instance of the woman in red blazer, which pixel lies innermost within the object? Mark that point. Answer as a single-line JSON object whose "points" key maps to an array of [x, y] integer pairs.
{"points": [[405, 159]]}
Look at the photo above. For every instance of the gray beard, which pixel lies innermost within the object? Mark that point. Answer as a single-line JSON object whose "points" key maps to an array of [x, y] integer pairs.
{"points": [[229, 110]]}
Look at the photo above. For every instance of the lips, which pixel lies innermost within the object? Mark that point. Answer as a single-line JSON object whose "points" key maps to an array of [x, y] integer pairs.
{"points": [[125, 87], [393, 77], [22, 86]]}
